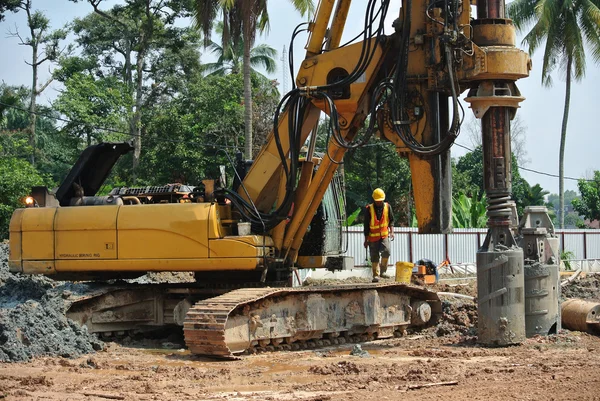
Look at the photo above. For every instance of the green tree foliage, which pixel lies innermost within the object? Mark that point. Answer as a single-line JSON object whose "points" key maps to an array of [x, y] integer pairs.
{"points": [[534, 195], [189, 137], [567, 28], [570, 195], [8, 5], [11, 100], [242, 19], [377, 165], [468, 179], [572, 218], [467, 174], [129, 42], [94, 108], [230, 61], [17, 176], [205, 119], [45, 46], [14, 123], [230, 57], [589, 204], [469, 212], [265, 97]]}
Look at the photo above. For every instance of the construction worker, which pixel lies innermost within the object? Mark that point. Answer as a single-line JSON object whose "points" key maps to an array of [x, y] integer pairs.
{"points": [[378, 228]]}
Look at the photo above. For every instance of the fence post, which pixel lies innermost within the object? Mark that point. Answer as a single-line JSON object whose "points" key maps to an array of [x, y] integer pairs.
{"points": [[585, 245], [410, 247], [446, 247]]}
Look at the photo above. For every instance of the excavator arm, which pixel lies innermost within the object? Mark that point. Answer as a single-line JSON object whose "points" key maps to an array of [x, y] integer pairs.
{"points": [[406, 85]]}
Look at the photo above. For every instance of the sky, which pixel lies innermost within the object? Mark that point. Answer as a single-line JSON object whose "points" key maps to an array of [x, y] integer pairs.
{"points": [[541, 112]]}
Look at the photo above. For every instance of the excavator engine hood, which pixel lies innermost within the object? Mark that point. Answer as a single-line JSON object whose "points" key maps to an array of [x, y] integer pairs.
{"points": [[91, 169]]}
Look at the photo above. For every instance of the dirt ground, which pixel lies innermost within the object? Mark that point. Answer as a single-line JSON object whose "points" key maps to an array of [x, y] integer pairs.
{"points": [[47, 357], [563, 367]]}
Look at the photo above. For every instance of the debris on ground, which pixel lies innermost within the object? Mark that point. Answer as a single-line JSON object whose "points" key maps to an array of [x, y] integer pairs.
{"points": [[584, 287], [32, 317], [164, 277], [358, 351], [469, 288]]}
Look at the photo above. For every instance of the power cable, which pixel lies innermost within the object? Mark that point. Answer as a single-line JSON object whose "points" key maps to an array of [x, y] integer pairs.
{"points": [[532, 170]]}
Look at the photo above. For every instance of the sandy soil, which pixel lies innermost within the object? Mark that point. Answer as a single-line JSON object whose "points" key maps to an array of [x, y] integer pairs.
{"points": [[556, 368]]}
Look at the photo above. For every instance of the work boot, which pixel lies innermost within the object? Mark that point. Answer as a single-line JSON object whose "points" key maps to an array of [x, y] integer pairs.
{"points": [[384, 264], [375, 267]]}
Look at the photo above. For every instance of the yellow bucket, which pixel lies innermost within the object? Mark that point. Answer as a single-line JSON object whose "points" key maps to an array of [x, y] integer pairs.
{"points": [[404, 272]]}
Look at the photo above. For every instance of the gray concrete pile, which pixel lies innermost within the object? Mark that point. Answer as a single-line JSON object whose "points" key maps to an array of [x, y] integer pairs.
{"points": [[32, 317]]}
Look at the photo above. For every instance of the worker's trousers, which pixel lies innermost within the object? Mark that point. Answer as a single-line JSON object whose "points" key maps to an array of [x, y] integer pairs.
{"points": [[381, 247]]}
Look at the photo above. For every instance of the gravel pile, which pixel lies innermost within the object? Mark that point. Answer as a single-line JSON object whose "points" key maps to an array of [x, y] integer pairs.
{"points": [[32, 317]]}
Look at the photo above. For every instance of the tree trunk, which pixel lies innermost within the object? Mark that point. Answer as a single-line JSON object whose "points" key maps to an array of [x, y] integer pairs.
{"points": [[34, 66], [561, 157], [127, 73], [247, 98], [135, 125], [32, 105]]}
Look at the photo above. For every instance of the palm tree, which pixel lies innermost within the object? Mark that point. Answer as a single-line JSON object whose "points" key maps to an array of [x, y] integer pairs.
{"points": [[241, 20], [567, 27], [231, 56], [534, 195]]}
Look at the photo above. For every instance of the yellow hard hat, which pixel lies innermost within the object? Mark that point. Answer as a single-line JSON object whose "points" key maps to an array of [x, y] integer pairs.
{"points": [[378, 195]]}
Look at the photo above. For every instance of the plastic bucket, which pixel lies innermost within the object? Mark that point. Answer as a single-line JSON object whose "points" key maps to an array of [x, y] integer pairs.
{"points": [[404, 272], [243, 228]]}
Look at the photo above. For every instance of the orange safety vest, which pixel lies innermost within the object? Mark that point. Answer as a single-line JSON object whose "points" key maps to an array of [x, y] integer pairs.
{"points": [[378, 229]]}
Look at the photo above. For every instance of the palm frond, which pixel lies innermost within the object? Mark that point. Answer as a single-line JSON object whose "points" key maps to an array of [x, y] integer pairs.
{"points": [[304, 6], [535, 36], [211, 69], [574, 44], [215, 48], [522, 12], [589, 21], [264, 50], [549, 60], [204, 14], [266, 62]]}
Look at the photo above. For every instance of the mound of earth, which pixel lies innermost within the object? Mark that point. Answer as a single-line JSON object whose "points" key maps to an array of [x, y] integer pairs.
{"points": [[32, 317], [586, 287]]}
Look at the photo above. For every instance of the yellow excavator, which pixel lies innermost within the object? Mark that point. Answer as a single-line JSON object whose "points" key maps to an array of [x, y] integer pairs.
{"points": [[244, 244]]}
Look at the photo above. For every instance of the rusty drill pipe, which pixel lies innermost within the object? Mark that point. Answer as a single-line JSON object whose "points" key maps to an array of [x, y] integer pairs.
{"points": [[490, 9], [581, 315]]}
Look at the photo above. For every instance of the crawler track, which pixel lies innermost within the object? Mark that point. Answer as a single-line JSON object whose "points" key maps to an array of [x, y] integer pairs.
{"points": [[249, 320], [205, 322]]}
